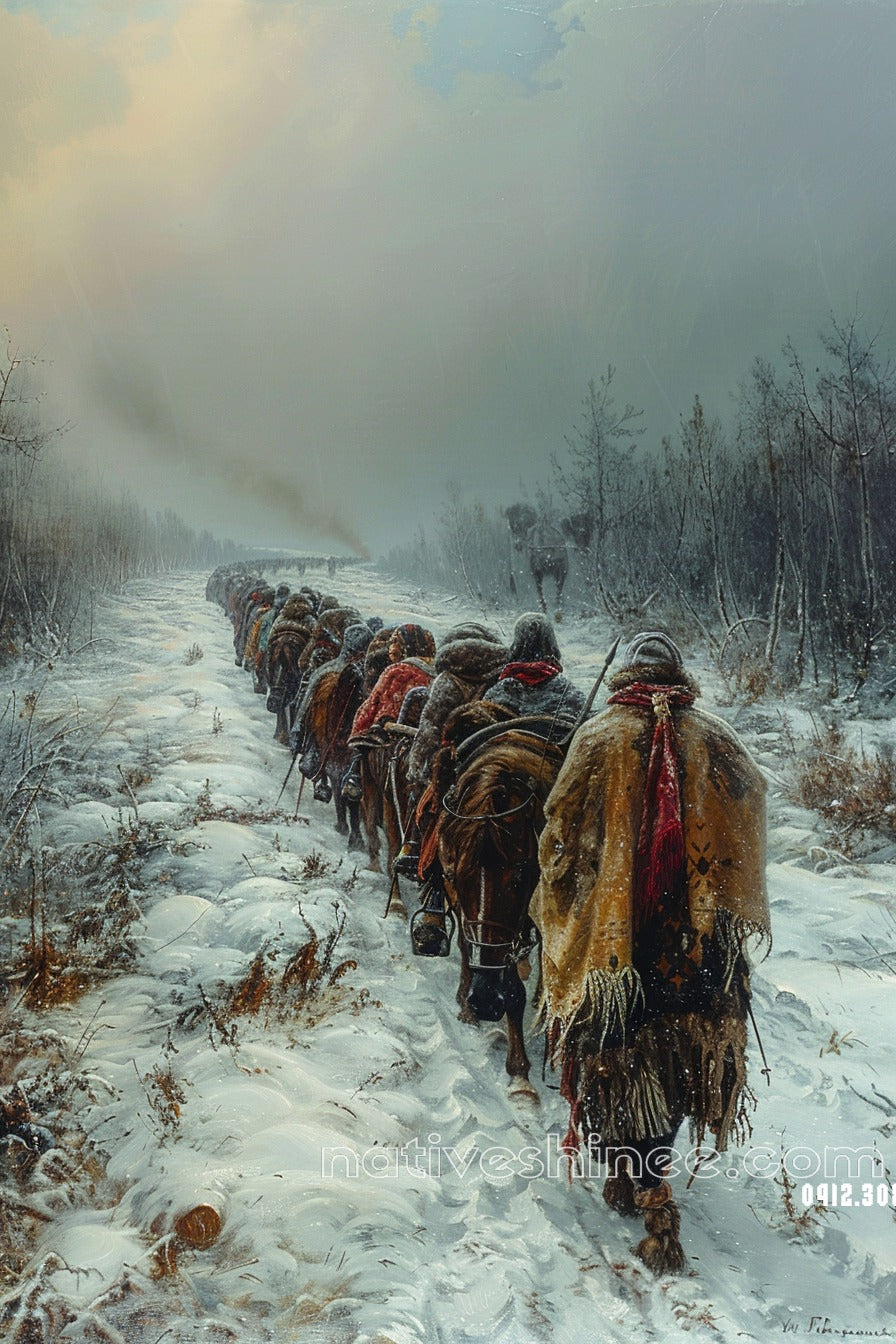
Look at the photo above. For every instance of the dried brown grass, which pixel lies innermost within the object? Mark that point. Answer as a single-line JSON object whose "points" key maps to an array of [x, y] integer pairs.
{"points": [[852, 788], [282, 990]]}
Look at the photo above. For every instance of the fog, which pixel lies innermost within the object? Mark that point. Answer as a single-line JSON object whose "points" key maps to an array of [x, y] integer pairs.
{"points": [[292, 267]]}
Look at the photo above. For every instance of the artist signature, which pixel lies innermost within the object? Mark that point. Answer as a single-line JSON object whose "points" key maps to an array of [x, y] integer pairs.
{"points": [[823, 1325]]}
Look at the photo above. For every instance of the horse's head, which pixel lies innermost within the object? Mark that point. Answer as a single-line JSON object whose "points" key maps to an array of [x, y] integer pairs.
{"points": [[495, 926]]}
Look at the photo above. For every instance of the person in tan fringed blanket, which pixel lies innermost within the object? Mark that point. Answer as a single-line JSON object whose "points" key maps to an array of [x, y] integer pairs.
{"points": [[652, 878]]}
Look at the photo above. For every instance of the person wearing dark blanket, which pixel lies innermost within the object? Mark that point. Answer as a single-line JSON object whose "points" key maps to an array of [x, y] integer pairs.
{"points": [[468, 661], [532, 680]]}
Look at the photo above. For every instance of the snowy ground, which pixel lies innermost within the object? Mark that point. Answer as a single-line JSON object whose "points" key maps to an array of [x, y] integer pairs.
{"points": [[465, 1240]]}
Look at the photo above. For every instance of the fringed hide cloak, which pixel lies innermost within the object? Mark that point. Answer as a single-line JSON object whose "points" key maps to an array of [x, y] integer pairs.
{"points": [[646, 1015]]}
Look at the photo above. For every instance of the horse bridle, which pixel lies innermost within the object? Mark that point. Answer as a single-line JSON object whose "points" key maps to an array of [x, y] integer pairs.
{"points": [[518, 945], [481, 816]]}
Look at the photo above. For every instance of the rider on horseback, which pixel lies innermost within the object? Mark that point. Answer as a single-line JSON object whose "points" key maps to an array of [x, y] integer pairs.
{"points": [[411, 652], [652, 879], [349, 663], [467, 663], [532, 681]]}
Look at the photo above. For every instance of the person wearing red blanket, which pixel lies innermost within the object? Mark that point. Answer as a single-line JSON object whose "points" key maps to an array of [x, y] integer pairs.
{"points": [[411, 653]]}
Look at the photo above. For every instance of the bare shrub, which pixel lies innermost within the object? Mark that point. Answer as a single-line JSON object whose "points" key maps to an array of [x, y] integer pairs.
{"points": [[60, 948], [803, 1222], [853, 789], [164, 1092], [48, 1165], [314, 864], [753, 678], [193, 654], [277, 985], [205, 809]]}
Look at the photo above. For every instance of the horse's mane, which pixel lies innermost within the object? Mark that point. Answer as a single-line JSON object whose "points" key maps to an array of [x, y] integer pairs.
{"points": [[499, 797], [460, 724]]}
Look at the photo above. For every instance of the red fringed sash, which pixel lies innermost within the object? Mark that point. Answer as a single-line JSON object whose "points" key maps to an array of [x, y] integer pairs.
{"points": [[660, 858], [569, 1091], [531, 674]]}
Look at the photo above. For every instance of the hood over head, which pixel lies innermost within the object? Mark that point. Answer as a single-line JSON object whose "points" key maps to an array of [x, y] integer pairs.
{"points": [[534, 640]]}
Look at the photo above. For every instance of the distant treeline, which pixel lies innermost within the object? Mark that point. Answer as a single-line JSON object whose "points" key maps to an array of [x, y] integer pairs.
{"points": [[61, 544], [772, 539]]}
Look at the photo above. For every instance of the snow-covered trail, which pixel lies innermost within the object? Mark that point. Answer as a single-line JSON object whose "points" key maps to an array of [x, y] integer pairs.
{"points": [[300, 1130]]}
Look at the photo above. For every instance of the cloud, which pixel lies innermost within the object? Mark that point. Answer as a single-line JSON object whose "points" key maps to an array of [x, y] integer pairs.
{"points": [[123, 140], [265, 238]]}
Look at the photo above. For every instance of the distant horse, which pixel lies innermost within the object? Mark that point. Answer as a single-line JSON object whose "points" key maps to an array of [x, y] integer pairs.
{"points": [[488, 851], [333, 701], [546, 544], [385, 795], [285, 648]]}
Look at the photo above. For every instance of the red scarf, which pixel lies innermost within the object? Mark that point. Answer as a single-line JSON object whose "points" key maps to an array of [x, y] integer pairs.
{"points": [[531, 674], [660, 858]]}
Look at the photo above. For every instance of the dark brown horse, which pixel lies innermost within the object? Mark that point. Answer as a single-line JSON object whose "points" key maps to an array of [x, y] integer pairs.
{"points": [[287, 642], [333, 699], [321, 642], [488, 850], [385, 796]]}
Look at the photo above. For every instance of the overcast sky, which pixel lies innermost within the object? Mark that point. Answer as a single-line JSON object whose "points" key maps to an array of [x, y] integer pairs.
{"points": [[294, 265]]}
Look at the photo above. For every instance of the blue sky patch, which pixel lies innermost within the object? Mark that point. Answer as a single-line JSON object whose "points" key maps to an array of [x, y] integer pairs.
{"points": [[483, 37], [69, 17]]}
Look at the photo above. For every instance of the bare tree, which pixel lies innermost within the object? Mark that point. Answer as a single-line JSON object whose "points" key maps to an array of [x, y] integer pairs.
{"points": [[595, 479], [851, 411], [704, 446]]}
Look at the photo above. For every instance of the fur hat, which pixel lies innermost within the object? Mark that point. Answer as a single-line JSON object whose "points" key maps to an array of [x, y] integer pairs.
{"points": [[416, 642], [653, 657], [652, 646], [356, 638], [471, 630]]}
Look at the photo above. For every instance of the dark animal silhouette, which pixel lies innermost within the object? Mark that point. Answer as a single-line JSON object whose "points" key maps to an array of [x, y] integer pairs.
{"points": [[385, 795], [546, 545], [290, 635]]}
